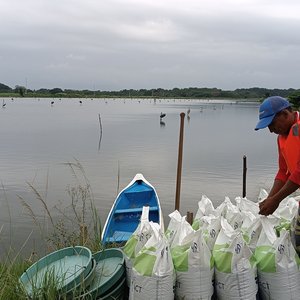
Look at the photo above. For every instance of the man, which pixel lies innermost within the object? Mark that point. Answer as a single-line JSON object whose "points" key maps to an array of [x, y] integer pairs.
{"points": [[276, 113]]}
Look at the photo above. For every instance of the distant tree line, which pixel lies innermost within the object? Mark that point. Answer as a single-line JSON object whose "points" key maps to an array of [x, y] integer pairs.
{"points": [[191, 93]]}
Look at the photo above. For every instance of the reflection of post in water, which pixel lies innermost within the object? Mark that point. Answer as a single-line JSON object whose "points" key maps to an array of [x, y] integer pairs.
{"points": [[188, 115], [100, 137], [161, 122]]}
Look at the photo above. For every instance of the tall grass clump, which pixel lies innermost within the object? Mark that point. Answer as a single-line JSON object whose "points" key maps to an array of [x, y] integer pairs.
{"points": [[11, 288], [48, 288], [45, 288], [76, 223]]}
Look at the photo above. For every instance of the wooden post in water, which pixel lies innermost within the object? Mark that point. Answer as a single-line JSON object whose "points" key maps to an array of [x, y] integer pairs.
{"points": [[179, 163], [244, 175], [190, 217]]}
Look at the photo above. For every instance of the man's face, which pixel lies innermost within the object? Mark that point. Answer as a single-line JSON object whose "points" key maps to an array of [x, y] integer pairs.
{"points": [[280, 123]]}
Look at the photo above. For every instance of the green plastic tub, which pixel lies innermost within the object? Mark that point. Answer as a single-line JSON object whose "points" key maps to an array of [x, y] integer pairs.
{"points": [[65, 269], [109, 274], [117, 293]]}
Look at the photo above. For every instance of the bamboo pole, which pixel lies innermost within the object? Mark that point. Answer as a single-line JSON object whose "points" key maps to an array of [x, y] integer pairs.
{"points": [[244, 175], [179, 164]]}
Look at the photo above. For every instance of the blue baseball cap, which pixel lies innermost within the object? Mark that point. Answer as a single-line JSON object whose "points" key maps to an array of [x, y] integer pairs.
{"points": [[269, 108]]}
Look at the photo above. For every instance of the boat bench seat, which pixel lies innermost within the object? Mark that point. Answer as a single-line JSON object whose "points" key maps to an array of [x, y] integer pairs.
{"points": [[134, 210], [120, 236]]}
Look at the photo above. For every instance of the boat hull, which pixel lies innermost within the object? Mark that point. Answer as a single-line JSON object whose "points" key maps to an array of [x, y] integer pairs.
{"points": [[125, 214]]}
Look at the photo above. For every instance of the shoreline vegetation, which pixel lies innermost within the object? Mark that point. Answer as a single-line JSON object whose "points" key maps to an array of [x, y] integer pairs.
{"points": [[78, 225], [180, 93]]}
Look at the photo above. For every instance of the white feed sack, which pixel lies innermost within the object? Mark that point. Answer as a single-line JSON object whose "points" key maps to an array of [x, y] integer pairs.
{"points": [[235, 270], [193, 264], [137, 240], [174, 225], [222, 209], [153, 271], [196, 284], [208, 220], [277, 264], [287, 209], [246, 205], [251, 229], [151, 287], [181, 229], [210, 227], [234, 217], [205, 208]]}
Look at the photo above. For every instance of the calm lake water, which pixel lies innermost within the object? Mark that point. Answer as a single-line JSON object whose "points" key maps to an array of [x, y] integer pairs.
{"points": [[38, 139]]}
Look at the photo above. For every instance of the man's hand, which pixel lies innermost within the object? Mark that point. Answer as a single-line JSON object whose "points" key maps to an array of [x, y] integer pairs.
{"points": [[268, 206]]}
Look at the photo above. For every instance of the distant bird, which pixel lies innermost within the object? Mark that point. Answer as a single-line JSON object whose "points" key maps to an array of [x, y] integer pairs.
{"points": [[3, 104], [52, 102], [162, 115], [188, 111], [80, 101]]}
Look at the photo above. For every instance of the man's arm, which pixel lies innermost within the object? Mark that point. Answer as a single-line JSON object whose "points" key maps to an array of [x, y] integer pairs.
{"points": [[284, 185], [269, 205], [277, 186]]}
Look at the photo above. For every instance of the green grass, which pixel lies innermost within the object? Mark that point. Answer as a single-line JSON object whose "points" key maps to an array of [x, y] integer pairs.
{"points": [[11, 288]]}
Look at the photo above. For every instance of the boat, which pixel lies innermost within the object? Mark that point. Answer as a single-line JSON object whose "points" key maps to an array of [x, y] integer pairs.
{"points": [[126, 211]]}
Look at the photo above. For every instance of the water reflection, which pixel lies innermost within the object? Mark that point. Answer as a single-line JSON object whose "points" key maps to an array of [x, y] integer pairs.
{"points": [[162, 124]]}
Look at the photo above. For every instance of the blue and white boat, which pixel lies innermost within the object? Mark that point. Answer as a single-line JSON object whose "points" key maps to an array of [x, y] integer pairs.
{"points": [[126, 211]]}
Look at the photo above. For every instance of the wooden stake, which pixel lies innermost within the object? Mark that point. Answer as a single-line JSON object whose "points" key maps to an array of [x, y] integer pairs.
{"points": [[190, 217], [179, 164], [244, 175]]}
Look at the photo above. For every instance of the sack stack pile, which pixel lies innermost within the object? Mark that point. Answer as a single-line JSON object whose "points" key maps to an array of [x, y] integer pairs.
{"points": [[229, 252]]}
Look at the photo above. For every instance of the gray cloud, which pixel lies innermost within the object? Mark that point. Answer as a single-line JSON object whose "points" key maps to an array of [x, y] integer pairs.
{"points": [[116, 44]]}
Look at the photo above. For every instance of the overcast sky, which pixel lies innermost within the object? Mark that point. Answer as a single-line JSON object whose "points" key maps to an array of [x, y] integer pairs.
{"points": [[122, 44]]}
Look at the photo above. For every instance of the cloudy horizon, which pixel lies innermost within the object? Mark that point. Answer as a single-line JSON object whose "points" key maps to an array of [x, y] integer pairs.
{"points": [[136, 44]]}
